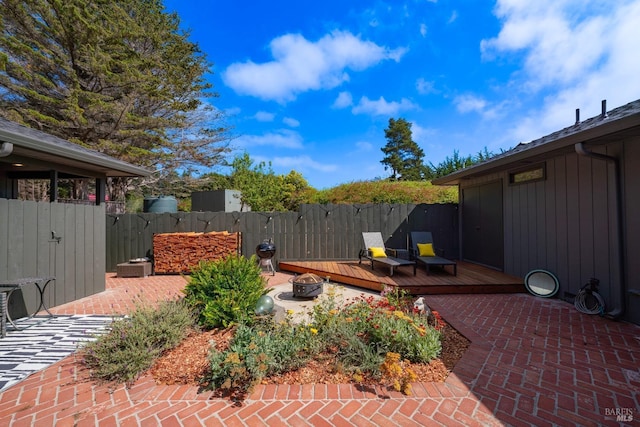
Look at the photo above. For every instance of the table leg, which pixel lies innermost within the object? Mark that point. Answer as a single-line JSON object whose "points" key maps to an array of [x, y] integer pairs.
{"points": [[42, 290], [41, 304], [3, 314], [7, 311]]}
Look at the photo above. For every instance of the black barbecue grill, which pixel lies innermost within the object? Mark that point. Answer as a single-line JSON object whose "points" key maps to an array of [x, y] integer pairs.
{"points": [[266, 251]]}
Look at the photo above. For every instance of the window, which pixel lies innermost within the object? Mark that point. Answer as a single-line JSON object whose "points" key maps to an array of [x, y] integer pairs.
{"points": [[536, 173]]}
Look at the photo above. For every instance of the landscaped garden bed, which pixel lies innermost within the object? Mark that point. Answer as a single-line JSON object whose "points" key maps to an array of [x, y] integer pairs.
{"points": [[220, 338], [188, 363]]}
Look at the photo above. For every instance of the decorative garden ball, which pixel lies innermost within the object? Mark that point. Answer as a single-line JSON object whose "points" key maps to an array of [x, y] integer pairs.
{"points": [[267, 302], [264, 305]]}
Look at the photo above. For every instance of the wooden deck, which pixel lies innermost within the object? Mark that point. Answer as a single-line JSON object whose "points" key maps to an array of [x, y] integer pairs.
{"points": [[471, 278]]}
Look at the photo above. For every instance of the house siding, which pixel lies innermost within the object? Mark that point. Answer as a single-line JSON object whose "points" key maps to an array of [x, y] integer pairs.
{"points": [[566, 223], [631, 179]]}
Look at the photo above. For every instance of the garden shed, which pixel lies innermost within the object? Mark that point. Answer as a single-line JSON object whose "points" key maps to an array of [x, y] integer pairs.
{"points": [[41, 239], [567, 203]]}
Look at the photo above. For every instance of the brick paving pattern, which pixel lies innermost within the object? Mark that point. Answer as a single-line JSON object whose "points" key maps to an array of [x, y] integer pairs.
{"points": [[532, 361]]}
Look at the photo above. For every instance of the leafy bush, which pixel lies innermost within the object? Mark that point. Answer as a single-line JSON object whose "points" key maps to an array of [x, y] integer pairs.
{"points": [[134, 343], [225, 292], [262, 349], [366, 335], [383, 191], [383, 326]]}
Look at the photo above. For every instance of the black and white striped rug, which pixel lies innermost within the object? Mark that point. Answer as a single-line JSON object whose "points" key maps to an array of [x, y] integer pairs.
{"points": [[45, 341]]}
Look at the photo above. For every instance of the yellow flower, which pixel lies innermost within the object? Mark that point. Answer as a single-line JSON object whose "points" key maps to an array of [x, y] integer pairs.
{"points": [[407, 389], [290, 312], [232, 358], [314, 331]]}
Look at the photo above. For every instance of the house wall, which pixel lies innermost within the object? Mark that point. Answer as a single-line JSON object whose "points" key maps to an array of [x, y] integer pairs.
{"points": [[631, 174], [29, 246], [568, 223]]}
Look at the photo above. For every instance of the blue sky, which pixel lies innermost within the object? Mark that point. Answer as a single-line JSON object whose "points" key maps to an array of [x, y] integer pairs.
{"points": [[310, 86]]}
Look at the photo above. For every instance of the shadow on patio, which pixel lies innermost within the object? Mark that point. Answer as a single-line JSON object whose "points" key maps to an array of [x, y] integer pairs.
{"points": [[532, 361]]}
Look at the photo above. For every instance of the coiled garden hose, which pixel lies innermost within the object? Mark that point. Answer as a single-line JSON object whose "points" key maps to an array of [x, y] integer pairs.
{"points": [[589, 302]]}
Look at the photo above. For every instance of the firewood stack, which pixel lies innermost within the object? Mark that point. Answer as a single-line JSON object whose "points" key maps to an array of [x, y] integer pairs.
{"points": [[176, 253]]}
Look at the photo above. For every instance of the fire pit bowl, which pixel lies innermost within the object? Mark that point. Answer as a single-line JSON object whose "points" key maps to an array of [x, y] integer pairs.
{"points": [[307, 285]]}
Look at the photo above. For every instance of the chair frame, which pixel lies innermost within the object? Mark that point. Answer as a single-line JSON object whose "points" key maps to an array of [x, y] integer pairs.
{"points": [[429, 261], [373, 240]]}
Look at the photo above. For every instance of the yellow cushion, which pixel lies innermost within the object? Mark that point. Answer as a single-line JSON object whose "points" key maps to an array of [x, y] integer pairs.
{"points": [[378, 252], [426, 249]]}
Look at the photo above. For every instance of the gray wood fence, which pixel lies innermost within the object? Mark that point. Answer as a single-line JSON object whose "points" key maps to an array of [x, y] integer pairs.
{"points": [[315, 232], [39, 239]]}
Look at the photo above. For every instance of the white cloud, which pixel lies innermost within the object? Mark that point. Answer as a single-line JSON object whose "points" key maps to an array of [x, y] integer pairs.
{"points": [[302, 163], [263, 116], [233, 111], [420, 134], [453, 17], [300, 65], [579, 51], [469, 103], [291, 122], [424, 87], [382, 107], [284, 138], [557, 50], [473, 104], [343, 100], [423, 30], [364, 146]]}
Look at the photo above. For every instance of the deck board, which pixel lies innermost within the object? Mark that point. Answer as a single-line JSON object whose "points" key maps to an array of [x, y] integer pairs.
{"points": [[471, 278]]}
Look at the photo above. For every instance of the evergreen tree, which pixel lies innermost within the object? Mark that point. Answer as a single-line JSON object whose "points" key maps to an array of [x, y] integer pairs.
{"points": [[456, 162], [402, 155], [115, 76]]}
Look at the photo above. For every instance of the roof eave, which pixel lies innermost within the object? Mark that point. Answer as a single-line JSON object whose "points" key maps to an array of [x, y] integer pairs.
{"points": [[114, 166], [560, 144]]}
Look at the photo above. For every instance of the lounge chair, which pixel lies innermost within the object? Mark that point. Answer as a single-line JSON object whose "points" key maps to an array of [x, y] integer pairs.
{"points": [[377, 253], [423, 251]]}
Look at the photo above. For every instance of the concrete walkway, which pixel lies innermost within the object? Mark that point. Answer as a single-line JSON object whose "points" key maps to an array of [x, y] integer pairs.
{"points": [[532, 362]]}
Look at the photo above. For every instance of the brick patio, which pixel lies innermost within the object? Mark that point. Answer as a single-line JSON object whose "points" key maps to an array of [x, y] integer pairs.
{"points": [[532, 361]]}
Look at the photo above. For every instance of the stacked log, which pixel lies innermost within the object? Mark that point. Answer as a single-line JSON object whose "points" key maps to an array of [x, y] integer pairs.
{"points": [[175, 253]]}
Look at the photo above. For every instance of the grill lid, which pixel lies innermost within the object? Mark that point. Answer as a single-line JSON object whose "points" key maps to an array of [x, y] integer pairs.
{"points": [[266, 249], [308, 279]]}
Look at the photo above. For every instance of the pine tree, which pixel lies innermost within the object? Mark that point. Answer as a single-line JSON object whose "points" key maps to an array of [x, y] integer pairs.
{"points": [[115, 76], [402, 155]]}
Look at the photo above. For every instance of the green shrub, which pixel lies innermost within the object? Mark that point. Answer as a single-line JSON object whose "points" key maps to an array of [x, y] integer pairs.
{"points": [[384, 191], [364, 331], [259, 350], [134, 343], [225, 292], [362, 334], [402, 333]]}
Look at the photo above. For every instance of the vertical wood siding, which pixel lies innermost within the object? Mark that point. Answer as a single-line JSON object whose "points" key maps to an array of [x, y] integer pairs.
{"points": [[632, 227], [566, 223], [27, 248], [314, 232]]}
